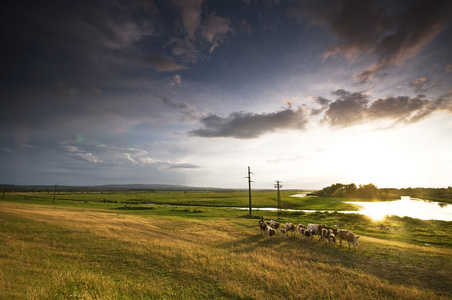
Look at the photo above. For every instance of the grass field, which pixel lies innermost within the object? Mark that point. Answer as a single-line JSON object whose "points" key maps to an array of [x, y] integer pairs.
{"points": [[120, 248], [260, 198]]}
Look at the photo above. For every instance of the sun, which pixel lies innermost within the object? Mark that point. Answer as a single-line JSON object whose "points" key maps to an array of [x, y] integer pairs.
{"points": [[372, 158]]}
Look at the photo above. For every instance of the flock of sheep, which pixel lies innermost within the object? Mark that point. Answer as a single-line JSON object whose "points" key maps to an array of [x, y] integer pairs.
{"points": [[326, 233]]}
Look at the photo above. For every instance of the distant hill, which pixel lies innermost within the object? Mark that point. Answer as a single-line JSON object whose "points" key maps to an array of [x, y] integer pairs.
{"points": [[121, 187], [108, 187]]}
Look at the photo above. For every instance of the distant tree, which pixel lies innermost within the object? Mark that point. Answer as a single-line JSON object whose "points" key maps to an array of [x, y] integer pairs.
{"points": [[350, 190], [335, 190], [370, 191], [367, 191]]}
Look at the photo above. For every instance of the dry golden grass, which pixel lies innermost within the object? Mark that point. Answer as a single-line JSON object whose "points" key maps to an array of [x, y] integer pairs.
{"points": [[67, 253]]}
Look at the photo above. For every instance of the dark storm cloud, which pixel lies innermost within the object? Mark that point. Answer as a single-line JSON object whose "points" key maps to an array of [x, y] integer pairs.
{"points": [[391, 31], [248, 125]]}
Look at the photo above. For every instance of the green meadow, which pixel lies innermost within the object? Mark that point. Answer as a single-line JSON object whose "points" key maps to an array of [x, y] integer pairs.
{"points": [[194, 245]]}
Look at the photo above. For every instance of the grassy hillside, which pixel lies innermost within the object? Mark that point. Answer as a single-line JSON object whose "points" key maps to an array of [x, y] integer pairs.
{"points": [[117, 251]]}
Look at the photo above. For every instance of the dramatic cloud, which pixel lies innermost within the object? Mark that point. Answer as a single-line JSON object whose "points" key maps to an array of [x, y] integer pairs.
{"points": [[161, 64], [123, 91], [400, 108], [410, 30], [354, 108], [203, 31], [247, 125], [358, 26], [68, 42], [408, 110], [347, 110], [371, 28], [324, 103]]}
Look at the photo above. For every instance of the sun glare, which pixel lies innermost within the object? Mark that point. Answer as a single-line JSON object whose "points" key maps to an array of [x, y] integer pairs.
{"points": [[376, 212], [371, 157]]}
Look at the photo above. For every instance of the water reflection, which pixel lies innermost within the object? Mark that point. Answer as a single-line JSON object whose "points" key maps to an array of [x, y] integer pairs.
{"points": [[414, 208], [405, 207]]}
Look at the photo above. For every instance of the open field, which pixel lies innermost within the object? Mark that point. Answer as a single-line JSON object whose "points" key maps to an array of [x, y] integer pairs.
{"points": [[260, 198], [88, 248]]}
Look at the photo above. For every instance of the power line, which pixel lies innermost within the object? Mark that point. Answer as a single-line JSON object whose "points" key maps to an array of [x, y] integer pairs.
{"points": [[249, 187], [278, 186]]}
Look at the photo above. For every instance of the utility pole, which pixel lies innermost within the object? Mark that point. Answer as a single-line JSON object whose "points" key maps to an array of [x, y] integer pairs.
{"points": [[249, 187], [278, 186], [54, 192]]}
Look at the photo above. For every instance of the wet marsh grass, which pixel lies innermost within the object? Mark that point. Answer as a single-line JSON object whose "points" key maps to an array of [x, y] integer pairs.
{"points": [[56, 252]]}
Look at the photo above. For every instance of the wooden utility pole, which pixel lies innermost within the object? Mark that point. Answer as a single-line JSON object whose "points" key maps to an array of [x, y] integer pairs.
{"points": [[249, 187], [54, 192], [278, 186]]}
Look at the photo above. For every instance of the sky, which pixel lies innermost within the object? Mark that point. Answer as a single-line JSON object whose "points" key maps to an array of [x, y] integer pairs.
{"points": [[192, 92]]}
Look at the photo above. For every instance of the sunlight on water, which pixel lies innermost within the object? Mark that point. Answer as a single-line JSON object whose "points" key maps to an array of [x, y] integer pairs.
{"points": [[414, 208], [405, 207]]}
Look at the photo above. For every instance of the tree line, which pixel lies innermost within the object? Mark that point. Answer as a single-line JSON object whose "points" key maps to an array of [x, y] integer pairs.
{"points": [[370, 191]]}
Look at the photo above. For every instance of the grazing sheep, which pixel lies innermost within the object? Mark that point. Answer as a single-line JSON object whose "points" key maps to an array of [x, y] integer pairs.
{"points": [[263, 227], [307, 232], [317, 229], [290, 227], [343, 234], [326, 232], [300, 227], [332, 239], [275, 225], [270, 232]]}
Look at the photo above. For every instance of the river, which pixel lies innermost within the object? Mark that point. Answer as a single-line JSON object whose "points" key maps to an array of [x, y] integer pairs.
{"points": [[406, 206]]}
